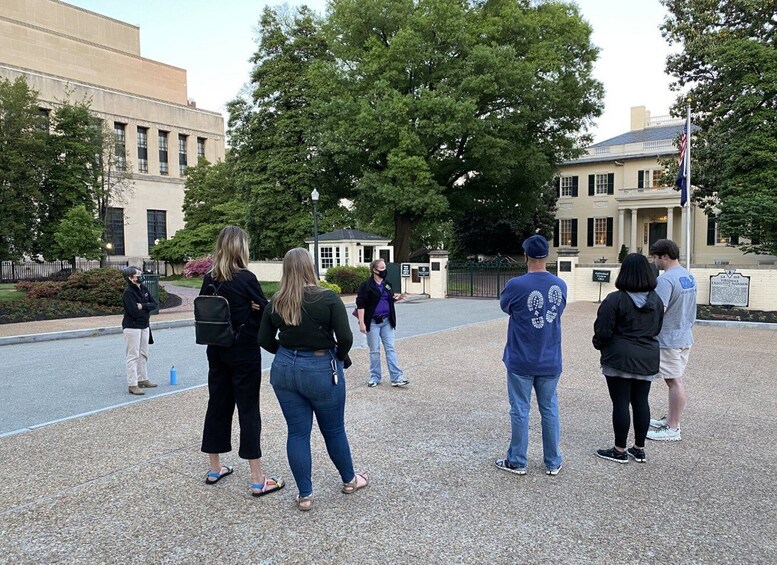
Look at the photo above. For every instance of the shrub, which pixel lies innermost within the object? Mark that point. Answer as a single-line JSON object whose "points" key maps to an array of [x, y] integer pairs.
{"points": [[98, 286], [24, 286], [198, 267], [26, 310], [331, 286], [348, 278], [43, 289]]}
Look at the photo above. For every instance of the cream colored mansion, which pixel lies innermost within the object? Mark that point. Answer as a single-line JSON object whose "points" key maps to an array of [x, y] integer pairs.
{"points": [[613, 195], [62, 51]]}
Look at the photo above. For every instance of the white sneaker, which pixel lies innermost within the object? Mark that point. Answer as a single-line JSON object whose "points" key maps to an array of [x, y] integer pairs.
{"points": [[660, 423], [664, 433]]}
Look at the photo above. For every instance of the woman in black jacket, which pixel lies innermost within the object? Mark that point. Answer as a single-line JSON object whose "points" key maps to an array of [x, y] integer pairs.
{"points": [[235, 372], [377, 320], [138, 305], [625, 332]]}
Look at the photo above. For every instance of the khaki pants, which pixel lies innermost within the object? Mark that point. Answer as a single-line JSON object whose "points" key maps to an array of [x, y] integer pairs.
{"points": [[136, 347]]}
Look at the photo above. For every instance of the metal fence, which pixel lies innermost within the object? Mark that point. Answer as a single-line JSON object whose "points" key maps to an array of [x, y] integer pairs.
{"points": [[484, 279], [46, 270]]}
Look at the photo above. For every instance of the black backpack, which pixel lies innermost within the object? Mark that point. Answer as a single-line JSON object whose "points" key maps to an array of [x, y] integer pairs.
{"points": [[213, 321]]}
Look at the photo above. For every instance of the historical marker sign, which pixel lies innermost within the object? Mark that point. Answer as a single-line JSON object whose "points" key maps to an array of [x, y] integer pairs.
{"points": [[729, 289]]}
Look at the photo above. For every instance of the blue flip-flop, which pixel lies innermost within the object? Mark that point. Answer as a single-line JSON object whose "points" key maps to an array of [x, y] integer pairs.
{"points": [[214, 477], [269, 485]]}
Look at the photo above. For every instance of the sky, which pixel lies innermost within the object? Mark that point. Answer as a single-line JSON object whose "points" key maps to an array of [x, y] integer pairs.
{"points": [[214, 40]]}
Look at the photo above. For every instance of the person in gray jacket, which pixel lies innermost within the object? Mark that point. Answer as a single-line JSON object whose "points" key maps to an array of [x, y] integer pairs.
{"points": [[625, 332]]}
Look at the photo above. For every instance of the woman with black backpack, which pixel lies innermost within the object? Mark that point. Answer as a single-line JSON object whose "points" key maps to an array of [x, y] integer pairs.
{"points": [[235, 371]]}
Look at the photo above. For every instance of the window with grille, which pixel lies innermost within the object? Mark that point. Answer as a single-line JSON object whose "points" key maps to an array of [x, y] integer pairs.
{"points": [[120, 145], [565, 232], [142, 150], [600, 232], [566, 186], [182, 140], [601, 184], [327, 257], [200, 147], [164, 168], [157, 226], [115, 231]]}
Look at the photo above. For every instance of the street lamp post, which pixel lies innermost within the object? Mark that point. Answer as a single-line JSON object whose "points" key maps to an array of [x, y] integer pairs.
{"points": [[314, 197]]}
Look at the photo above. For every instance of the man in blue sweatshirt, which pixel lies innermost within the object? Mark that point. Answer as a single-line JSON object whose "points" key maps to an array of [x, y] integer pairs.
{"points": [[532, 356]]}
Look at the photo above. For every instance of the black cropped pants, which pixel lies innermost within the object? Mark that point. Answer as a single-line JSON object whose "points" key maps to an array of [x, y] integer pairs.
{"points": [[234, 378]]}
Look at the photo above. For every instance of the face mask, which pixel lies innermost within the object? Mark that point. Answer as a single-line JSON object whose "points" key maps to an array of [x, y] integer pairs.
{"points": [[382, 274]]}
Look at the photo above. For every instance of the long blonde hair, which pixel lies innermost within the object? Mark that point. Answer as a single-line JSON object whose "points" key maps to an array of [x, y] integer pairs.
{"points": [[231, 253], [297, 275]]}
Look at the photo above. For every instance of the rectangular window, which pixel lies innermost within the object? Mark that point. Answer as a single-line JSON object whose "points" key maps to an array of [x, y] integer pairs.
{"points": [[157, 226], [345, 255], [182, 139], [142, 149], [46, 122], [326, 258], [115, 231], [565, 232], [649, 178], [566, 186], [601, 184], [120, 145], [715, 235], [600, 232], [164, 168], [200, 147]]}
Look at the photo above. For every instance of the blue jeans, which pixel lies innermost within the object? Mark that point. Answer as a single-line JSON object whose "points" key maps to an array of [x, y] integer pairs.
{"points": [[304, 385], [382, 332], [519, 389]]}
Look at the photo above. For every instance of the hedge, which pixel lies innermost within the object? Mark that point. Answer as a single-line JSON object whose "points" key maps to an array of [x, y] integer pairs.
{"points": [[348, 278]]}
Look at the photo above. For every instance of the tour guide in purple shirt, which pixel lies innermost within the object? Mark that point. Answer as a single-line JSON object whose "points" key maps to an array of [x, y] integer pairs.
{"points": [[535, 302], [377, 319]]}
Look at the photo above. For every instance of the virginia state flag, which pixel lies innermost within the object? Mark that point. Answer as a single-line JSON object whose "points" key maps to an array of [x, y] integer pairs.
{"points": [[682, 178]]}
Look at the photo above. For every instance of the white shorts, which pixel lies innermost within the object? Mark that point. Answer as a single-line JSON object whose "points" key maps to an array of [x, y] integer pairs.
{"points": [[673, 362]]}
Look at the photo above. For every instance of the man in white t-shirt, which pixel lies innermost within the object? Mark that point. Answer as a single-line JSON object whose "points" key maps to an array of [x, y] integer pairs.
{"points": [[677, 289]]}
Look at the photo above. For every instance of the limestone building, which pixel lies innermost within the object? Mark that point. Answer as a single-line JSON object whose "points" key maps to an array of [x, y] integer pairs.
{"points": [[63, 51], [613, 195]]}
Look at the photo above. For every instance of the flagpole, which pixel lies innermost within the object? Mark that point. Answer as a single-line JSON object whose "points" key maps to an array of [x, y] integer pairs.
{"points": [[688, 190]]}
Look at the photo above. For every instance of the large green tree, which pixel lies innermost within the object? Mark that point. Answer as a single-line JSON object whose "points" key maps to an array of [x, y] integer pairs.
{"points": [[728, 66], [74, 170], [79, 234], [272, 135], [438, 106], [23, 140]]}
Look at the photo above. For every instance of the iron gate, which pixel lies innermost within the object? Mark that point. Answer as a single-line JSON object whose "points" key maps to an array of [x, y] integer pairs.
{"points": [[484, 279]]}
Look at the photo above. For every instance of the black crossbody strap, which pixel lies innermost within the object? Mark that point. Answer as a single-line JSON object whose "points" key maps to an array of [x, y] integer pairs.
{"points": [[322, 330]]}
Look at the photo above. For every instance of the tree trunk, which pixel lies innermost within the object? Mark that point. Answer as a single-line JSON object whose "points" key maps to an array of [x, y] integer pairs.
{"points": [[403, 229]]}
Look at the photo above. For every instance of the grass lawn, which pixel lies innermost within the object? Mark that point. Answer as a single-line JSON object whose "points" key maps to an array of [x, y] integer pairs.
{"points": [[8, 292], [268, 287]]}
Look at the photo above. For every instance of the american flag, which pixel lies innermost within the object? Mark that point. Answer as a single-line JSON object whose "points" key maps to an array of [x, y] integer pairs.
{"points": [[682, 179]]}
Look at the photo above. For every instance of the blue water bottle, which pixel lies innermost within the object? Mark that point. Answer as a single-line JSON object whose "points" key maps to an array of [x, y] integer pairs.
{"points": [[173, 376]]}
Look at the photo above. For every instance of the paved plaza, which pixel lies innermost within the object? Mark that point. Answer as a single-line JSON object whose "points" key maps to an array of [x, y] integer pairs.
{"points": [[126, 485]]}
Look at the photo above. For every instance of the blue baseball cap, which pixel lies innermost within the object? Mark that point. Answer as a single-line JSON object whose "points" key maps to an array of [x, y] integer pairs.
{"points": [[536, 247]]}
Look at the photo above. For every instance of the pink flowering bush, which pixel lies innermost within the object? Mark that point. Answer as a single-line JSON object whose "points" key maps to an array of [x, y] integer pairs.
{"points": [[197, 267]]}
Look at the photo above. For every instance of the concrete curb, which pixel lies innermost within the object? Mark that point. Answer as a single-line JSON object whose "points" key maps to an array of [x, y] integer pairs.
{"points": [[88, 332], [95, 332], [735, 324]]}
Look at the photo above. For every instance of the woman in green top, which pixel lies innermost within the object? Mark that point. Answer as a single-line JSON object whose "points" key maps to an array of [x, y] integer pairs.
{"points": [[307, 372]]}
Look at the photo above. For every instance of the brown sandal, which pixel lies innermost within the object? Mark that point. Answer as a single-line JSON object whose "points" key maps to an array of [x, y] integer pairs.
{"points": [[353, 486], [307, 501]]}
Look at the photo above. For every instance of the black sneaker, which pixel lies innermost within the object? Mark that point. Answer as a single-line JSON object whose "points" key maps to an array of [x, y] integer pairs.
{"points": [[372, 384], [637, 454], [505, 465], [402, 381], [613, 455]]}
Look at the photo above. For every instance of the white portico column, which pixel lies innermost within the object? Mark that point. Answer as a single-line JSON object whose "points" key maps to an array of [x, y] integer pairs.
{"points": [[670, 222], [634, 245], [683, 238], [621, 220]]}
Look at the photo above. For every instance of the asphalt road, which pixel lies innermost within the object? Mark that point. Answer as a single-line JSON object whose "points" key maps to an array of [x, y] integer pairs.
{"points": [[41, 383]]}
